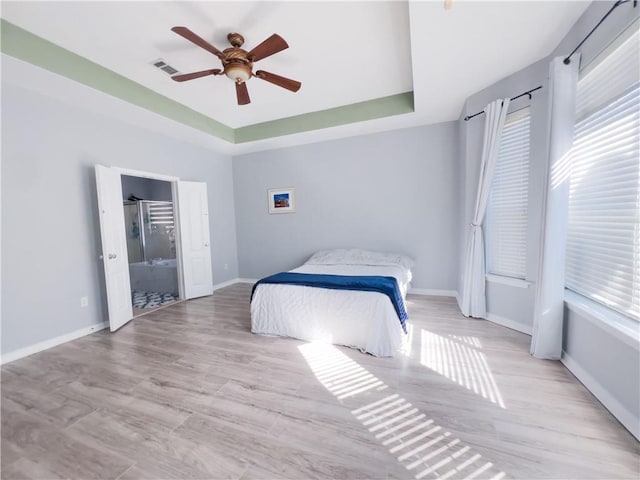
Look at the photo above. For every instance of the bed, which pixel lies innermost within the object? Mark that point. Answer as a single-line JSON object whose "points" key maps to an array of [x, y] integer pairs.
{"points": [[366, 320]]}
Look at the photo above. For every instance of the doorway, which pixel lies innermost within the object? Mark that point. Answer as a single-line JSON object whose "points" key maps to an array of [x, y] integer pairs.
{"points": [[190, 239], [150, 229]]}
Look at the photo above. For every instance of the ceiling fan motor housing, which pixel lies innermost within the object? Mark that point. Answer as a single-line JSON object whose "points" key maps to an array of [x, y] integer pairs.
{"points": [[236, 64], [235, 39]]}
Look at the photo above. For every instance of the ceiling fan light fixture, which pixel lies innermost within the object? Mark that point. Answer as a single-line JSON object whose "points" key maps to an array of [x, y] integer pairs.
{"points": [[238, 63], [238, 72]]}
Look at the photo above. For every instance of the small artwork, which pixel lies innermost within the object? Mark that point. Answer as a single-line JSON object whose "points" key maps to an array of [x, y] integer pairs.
{"points": [[281, 200]]}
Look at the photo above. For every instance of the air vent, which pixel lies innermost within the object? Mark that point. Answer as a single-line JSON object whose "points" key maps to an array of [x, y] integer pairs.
{"points": [[162, 65]]}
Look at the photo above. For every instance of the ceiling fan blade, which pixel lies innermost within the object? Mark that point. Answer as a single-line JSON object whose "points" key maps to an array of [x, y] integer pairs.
{"points": [[191, 76], [283, 82], [274, 44], [201, 42], [242, 93]]}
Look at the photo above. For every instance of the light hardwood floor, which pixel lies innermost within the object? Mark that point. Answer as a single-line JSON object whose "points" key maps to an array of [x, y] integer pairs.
{"points": [[138, 312], [189, 392]]}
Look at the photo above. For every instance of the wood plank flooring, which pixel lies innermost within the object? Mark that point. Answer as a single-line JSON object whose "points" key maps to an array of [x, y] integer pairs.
{"points": [[137, 312], [188, 392]]}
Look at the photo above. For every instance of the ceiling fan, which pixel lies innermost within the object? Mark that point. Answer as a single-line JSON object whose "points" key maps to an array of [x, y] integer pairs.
{"points": [[238, 63]]}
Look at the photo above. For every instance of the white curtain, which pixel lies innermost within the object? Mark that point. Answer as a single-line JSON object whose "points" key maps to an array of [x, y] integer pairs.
{"points": [[548, 313], [473, 301]]}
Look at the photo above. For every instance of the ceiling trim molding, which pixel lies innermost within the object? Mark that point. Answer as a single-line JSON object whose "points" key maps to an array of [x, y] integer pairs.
{"points": [[28, 47], [332, 117], [24, 45]]}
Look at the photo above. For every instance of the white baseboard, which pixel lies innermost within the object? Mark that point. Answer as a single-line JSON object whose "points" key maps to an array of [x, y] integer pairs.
{"points": [[218, 286], [40, 346], [435, 293], [624, 416], [505, 322]]}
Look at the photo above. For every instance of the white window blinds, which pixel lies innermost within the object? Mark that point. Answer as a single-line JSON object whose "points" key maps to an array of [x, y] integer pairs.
{"points": [[603, 247], [506, 223]]}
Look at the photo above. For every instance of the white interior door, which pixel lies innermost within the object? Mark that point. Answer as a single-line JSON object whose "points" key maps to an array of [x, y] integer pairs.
{"points": [[114, 248], [193, 214]]}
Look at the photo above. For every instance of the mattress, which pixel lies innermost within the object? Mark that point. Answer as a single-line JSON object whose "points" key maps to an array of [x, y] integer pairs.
{"points": [[363, 320]]}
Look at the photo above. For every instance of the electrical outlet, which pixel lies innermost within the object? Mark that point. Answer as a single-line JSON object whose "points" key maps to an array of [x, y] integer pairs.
{"points": [[84, 301], [226, 266]]}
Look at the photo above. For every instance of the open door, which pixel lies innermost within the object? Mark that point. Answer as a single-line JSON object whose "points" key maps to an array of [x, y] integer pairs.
{"points": [[193, 213], [114, 247]]}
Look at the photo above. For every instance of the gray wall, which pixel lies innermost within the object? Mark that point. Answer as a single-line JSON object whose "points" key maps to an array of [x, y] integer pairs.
{"points": [[605, 364], [462, 201], [615, 23], [395, 191], [51, 239], [146, 188], [601, 360], [512, 303]]}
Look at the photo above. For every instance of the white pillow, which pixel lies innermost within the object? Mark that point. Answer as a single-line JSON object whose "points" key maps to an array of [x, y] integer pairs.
{"points": [[357, 256]]}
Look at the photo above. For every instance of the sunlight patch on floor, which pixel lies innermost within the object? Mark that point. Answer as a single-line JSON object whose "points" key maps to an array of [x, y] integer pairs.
{"points": [[425, 449], [460, 360]]}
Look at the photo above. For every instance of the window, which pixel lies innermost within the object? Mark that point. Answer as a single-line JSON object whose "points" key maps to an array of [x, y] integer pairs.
{"points": [[506, 223], [603, 245]]}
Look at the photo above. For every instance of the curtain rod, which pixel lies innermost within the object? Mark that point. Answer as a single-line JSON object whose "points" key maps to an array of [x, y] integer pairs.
{"points": [[567, 60], [528, 92]]}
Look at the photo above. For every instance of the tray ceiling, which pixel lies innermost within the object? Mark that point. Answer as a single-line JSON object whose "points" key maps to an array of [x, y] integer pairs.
{"points": [[422, 57]]}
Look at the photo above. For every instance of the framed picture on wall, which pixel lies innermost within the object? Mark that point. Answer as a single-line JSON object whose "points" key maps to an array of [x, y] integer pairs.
{"points": [[282, 200]]}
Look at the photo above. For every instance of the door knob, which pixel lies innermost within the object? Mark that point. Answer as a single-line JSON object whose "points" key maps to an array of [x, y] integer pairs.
{"points": [[206, 244], [112, 256]]}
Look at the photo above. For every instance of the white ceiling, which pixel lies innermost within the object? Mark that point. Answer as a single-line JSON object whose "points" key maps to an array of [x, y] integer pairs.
{"points": [[342, 52], [459, 52]]}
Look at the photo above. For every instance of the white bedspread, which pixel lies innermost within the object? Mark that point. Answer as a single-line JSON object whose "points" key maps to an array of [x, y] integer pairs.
{"points": [[363, 320]]}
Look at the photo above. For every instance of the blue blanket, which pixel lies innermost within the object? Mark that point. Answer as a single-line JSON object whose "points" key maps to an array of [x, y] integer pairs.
{"points": [[385, 285]]}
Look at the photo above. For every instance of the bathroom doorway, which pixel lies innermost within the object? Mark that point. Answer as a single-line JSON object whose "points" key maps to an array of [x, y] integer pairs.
{"points": [[150, 230], [191, 236]]}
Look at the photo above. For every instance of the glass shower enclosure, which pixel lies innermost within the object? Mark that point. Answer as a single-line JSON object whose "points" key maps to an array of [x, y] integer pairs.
{"points": [[151, 248], [150, 230]]}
